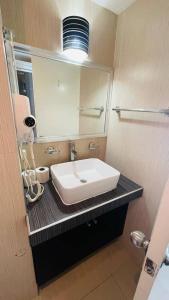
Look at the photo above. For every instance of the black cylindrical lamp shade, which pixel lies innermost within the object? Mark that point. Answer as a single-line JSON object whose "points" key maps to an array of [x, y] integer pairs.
{"points": [[76, 36]]}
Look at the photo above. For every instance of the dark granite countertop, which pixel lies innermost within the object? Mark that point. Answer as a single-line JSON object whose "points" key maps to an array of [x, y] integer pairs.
{"points": [[49, 217]]}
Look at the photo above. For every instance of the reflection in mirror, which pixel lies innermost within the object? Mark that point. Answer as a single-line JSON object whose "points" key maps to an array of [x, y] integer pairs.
{"points": [[67, 99], [56, 96]]}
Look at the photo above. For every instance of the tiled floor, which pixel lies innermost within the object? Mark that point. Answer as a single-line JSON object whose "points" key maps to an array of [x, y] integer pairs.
{"points": [[110, 274]]}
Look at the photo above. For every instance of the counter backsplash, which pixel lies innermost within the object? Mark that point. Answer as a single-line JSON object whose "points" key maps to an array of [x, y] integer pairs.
{"points": [[43, 158]]}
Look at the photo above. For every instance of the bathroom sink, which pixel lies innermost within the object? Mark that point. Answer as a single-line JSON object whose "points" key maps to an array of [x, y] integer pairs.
{"points": [[82, 179]]}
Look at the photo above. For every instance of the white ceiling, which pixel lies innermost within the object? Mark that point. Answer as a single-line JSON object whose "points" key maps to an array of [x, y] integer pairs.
{"points": [[117, 6]]}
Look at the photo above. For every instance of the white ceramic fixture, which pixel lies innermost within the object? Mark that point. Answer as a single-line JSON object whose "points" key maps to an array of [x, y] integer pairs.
{"points": [[83, 179]]}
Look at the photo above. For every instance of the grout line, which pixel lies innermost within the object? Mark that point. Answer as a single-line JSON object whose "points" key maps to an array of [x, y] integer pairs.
{"points": [[126, 295], [119, 287], [96, 287]]}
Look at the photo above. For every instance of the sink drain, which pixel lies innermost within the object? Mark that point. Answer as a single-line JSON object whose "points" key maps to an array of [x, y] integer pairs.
{"points": [[83, 180]]}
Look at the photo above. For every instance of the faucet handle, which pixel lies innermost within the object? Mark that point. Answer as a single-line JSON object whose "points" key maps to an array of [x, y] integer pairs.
{"points": [[52, 150], [92, 146]]}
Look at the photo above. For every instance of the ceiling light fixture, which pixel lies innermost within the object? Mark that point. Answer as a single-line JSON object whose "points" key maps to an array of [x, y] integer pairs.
{"points": [[76, 38]]}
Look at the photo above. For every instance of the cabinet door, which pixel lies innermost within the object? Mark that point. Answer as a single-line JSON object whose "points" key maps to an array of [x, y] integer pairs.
{"points": [[55, 256]]}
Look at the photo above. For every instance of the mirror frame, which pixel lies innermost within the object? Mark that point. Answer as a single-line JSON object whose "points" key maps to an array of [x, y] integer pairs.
{"points": [[12, 48]]}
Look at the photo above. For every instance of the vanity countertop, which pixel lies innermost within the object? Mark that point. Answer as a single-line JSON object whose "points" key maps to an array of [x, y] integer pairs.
{"points": [[49, 217]]}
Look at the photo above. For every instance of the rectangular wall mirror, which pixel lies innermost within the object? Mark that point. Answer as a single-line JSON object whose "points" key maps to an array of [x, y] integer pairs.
{"points": [[67, 99]]}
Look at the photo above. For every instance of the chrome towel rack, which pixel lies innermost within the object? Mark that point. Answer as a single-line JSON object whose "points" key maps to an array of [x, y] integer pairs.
{"points": [[154, 111], [101, 108]]}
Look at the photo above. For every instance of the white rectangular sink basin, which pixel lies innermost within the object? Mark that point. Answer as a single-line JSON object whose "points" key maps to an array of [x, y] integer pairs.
{"points": [[83, 179]]}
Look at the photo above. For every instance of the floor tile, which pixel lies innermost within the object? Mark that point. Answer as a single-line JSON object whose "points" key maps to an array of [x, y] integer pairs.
{"points": [[118, 255], [37, 298], [126, 277], [95, 273], [83, 278], [108, 290]]}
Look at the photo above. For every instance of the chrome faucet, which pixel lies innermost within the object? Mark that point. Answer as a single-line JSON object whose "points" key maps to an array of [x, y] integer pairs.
{"points": [[73, 152]]}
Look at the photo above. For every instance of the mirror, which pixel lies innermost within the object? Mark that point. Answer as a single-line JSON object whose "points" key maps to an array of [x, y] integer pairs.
{"points": [[68, 100]]}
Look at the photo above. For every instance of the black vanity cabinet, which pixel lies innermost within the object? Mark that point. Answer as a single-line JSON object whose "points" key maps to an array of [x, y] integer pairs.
{"points": [[60, 235], [56, 255]]}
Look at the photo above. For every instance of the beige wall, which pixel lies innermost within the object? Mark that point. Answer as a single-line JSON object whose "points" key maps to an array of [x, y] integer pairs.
{"points": [[17, 279], [94, 85], [56, 87], [138, 144], [38, 23]]}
